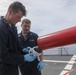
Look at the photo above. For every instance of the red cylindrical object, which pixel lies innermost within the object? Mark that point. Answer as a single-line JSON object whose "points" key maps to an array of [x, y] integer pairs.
{"points": [[56, 39]]}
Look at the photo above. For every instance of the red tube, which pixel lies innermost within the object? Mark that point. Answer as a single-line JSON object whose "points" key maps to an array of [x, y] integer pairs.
{"points": [[56, 39]]}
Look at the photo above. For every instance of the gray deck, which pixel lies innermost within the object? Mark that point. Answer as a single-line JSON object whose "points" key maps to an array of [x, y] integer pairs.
{"points": [[58, 65]]}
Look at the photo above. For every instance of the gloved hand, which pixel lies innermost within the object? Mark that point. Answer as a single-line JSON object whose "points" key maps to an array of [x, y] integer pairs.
{"points": [[29, 57], [36, 51], [40, 65], [26, 49]]}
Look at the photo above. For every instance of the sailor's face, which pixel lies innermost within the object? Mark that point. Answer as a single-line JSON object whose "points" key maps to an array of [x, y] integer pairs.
{"points": [[26, 27], [15, 17]]}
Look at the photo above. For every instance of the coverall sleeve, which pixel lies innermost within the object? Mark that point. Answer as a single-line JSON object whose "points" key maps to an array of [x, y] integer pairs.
{"points": [[7, 56]]}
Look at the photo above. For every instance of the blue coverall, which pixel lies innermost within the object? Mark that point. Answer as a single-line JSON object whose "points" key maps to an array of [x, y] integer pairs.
{"points": [[29, 68]]}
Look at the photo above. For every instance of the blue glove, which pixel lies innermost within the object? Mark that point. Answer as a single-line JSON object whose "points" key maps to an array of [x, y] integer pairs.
{"points": [[29, 57], [26, 49], [40, 65]]}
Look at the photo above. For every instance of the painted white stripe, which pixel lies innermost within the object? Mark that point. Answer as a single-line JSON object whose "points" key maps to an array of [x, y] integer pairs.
{"points": [[73, 59], [63, 72], [68, 66], [56, 61], [74, 56], [71, 62]]}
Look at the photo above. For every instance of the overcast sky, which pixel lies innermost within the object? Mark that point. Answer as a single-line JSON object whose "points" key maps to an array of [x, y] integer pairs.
{"points": [[47, 16]]}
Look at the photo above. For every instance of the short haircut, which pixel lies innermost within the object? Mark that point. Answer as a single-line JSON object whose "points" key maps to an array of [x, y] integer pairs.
{"points": [[17, 6], [26, 20]]}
